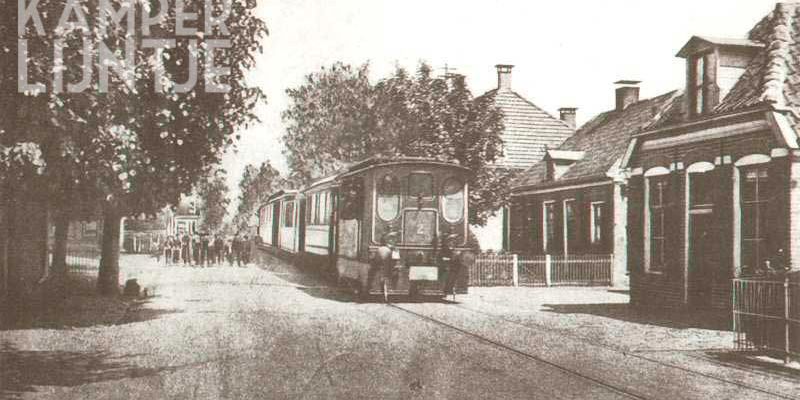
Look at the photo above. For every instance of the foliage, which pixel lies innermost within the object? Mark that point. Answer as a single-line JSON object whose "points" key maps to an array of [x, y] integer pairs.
{"points": [[132, 149], [337, 116], [256, 185], [213, 194]]}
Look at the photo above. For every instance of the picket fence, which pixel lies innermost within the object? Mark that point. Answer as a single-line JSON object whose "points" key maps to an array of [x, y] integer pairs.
{"points": [[490, 269]]}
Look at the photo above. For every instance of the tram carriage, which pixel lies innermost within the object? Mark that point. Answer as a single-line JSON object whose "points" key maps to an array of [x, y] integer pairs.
{"points": [[381, 227]]}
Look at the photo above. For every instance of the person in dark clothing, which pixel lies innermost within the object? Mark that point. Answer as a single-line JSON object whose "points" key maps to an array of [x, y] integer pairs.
{"points": [[204, 244], [218, 249], [229, 251], [246, 250], [186, 249]]}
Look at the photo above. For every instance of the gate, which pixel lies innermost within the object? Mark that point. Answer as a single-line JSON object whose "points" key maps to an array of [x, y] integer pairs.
{"points": [[766, 316]]}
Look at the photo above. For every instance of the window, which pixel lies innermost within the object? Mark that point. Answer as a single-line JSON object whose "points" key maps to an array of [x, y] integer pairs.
{"points": [[598, 211], [420, 185], [658, 190], [570, 229], [327, 208], [453, 200], [701, 189], [319, 209], [549, 228], [288, 214], [388, 204], [697, 88], [754, 205]]}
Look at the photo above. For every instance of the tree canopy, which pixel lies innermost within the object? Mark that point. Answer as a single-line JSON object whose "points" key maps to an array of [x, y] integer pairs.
{"points": [[256, 185], [337, 116], [213, 195], [145, 140]]}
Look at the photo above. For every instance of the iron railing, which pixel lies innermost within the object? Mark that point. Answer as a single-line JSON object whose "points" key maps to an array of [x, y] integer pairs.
{"points": [[81, 259], [766, 315]]}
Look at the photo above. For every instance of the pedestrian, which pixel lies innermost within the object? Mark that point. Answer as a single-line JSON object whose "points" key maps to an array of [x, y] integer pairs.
{"points": [[167, 249], [204, 244], [229, 250], [186, 249], [156, 248], [176, 249], [218, 249], [246, 250], [195, 249]]}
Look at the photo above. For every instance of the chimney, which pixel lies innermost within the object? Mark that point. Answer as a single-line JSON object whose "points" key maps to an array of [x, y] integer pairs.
{"points": [[504, 76], [567, 114], [627, 93]]}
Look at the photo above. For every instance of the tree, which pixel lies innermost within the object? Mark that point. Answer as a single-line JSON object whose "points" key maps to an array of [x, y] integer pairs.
{"points": [[256, 185], [213, 194], [130, 149], [337, 116]]}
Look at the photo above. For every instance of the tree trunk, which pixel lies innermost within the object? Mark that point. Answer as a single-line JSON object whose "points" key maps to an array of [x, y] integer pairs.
{"points": [[108, 277], [59, 269], [10, 306]]}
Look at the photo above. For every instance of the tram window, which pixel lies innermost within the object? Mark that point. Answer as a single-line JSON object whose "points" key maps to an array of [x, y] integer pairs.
{"points": [[288, 215], [420, 185], [453, 200], [388, 205]]}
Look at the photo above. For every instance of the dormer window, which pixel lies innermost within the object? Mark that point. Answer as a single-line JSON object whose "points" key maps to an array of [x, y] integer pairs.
{"points": [[559, 162], [698, 90], [713, 67]]}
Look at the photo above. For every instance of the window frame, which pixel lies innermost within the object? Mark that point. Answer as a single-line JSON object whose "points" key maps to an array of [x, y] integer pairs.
{"points": [[288, 220], [759, 205], [546, 225], [565, 223], [650, 174], [396, 196], [445, 197], [432, 185], [596, 236]]}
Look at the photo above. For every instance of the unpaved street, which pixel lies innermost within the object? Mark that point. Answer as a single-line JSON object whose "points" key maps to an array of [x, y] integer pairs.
{"points": [[270, 332]]}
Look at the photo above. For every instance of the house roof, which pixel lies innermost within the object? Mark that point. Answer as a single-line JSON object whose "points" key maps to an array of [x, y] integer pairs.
{"points": [[773, 75], [700, 42], [604, 140], [529, 130]]}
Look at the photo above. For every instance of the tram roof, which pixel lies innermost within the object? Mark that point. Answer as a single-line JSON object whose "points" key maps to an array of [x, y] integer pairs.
{"points": [[380, 161]]}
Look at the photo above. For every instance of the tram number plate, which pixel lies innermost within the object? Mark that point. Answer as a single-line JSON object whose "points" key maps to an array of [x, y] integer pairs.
{"points": [[423, 274]]}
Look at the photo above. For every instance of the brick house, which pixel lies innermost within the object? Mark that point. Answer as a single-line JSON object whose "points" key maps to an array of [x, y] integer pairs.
{"points": [[529, 130], [572, 202], [713, 190]]}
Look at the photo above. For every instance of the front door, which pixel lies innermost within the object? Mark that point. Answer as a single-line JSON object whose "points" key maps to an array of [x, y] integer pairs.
{"points": [[703, 257]]}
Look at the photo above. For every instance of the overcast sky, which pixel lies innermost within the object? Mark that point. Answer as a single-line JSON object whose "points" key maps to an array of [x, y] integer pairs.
{"points": [[566, 53]]}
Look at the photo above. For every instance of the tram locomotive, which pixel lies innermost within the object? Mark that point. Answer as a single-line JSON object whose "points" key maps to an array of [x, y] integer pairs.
{"points": [[380, 227]]}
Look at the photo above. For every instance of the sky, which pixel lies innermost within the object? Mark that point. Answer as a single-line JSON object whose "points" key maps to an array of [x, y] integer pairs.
{"points": [[566, 53]]}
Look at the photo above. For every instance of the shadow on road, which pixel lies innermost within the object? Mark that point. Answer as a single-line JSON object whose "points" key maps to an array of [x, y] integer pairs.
{"points": [[680, 319], [749, 361], [23, 370]]}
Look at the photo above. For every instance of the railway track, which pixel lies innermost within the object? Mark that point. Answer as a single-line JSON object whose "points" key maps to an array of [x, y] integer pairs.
{"points": [[533, 357], [639, 355]]}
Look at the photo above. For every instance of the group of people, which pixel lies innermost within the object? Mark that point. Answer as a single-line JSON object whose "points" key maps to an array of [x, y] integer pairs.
{"points": [[205, 250]]}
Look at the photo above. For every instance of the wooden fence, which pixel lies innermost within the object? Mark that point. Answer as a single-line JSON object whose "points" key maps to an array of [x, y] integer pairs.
{"points": [[542, 270], [766, 316]]}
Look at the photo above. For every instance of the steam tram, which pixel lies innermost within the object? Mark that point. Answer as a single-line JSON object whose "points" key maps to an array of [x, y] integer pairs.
{"points": [[381, 227]]}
